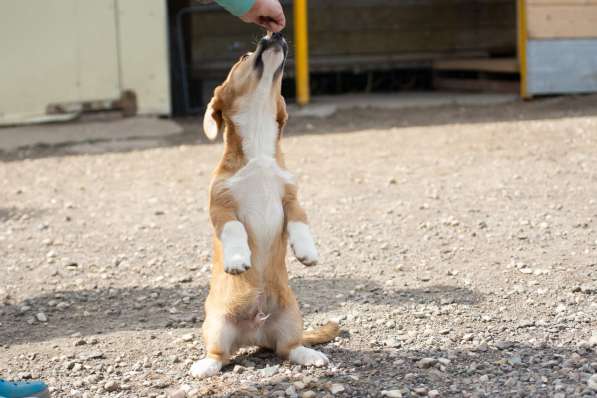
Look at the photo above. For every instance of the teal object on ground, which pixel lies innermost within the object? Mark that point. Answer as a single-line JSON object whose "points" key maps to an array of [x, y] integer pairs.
{"points": [[22, 389], [236, 7]]}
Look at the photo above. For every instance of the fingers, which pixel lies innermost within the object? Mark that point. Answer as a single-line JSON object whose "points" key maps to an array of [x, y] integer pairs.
{"points": [[268, 14], [275, 25]]}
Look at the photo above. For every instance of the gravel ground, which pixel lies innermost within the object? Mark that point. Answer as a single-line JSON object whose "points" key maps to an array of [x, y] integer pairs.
{"points": [[458, 250]]}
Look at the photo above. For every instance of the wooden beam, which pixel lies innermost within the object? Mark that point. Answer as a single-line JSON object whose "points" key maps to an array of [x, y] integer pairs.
{"points": [[496, 65]]}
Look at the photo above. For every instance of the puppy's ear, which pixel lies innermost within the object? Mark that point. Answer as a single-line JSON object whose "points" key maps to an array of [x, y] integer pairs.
{"points": [[281, 115], [213, 122]]}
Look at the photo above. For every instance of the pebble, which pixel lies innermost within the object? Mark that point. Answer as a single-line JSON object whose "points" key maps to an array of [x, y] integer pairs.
{"points": [[515, 361], [270, 370], [41, 317], [433, 394], [299, 385], [308, 394], [336, 388], [502, 344], [180, 393], [391, 393], [85, 356], [291, 392], [187, 337], [426, 363], [592, 382], [111, 386]]}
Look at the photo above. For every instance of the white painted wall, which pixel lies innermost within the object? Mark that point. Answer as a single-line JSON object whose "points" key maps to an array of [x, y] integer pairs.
{"points": [[69, 51]]}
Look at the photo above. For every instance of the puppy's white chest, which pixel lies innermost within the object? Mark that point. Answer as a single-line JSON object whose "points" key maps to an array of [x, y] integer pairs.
{"points": [[258, 189]]}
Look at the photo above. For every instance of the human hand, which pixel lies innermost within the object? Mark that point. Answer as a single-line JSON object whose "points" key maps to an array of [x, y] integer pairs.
{"points": [[266, 13]]}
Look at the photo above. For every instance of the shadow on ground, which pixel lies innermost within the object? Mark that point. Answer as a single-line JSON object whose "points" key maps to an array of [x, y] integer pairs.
{"points": [[13, 213], [102, 311], [520, 370]]}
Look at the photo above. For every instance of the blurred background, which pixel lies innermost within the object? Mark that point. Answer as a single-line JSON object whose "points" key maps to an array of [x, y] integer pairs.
{"points": [[164, 57]]}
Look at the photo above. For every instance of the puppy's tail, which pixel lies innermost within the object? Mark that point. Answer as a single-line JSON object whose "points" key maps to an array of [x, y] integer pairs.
{"points": [[321, 335]]}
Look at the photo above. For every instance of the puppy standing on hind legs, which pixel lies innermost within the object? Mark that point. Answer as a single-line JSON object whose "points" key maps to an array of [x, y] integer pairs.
{"points": [[255, 212]]}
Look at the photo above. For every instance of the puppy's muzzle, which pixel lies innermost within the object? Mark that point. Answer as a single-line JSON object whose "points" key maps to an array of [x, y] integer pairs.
{"points": [[273, 42]]}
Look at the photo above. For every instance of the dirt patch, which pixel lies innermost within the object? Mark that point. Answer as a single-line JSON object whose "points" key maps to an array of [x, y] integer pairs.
{"points": [[458, 249]]}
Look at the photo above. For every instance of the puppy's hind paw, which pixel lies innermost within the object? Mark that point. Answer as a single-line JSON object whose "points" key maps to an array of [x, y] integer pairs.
{"points": [[308, 357], [206, 367]]}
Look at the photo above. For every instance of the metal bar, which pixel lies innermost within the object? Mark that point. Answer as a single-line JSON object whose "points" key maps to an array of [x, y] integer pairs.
{"points": [[522, 47], [301, 56]]}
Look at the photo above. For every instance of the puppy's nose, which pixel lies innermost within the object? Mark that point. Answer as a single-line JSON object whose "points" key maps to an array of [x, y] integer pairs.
{"points": [[277, 36]]}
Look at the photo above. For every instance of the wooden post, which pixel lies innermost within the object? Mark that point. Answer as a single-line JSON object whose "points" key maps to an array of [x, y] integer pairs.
{"points": [[301, 54]]}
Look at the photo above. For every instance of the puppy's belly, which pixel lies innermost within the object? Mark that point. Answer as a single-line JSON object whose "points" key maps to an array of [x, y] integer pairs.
{"points": [[258, 188]]}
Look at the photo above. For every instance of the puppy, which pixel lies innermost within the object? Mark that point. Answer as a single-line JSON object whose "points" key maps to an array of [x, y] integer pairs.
{"points": [[255, 212]]}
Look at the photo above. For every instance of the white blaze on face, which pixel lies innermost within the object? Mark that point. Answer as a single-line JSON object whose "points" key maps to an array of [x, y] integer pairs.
{"points": [[256, 115], [272, 59]]}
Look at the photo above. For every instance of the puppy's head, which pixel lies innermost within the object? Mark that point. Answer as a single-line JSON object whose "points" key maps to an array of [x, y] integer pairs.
{"points": [[256, 76]]}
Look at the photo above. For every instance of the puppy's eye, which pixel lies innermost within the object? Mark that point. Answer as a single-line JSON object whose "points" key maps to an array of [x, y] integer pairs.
{"points": [[245, 56]]}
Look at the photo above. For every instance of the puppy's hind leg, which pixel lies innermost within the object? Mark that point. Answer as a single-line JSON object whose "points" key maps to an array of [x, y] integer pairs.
{"points": [[220, 336]]}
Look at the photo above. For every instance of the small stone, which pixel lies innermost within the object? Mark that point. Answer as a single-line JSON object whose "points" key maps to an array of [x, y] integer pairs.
{"points": [[238, 369], [592, 382], [111, 386], [426, 363], [589, 288], [41, 317], [420, 391], [336, 388], [299, 385], [180, 393], [85, 356], [80, 342], [308, 394], [484, 379], [270, 371], [24, 375], [187, 337], [468, 337], [291, 392], [433, 394], [593, 339], [502, 344], [515, 361], [391, 393]]}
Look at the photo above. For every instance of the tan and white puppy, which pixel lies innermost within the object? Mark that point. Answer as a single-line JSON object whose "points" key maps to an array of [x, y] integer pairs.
{"points": [[255, 212]]}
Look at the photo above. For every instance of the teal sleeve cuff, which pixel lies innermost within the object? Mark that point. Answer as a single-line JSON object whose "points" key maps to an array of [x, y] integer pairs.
{"points": [[236, 7]]}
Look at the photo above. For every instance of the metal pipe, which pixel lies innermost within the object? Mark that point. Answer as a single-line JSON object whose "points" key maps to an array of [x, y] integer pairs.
{"points": [[301, 54]]}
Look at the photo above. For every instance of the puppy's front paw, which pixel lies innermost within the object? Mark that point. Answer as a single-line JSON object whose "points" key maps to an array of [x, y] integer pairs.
{"points": [[302, 244], [205, 368], [237, 255], [237, 259]]}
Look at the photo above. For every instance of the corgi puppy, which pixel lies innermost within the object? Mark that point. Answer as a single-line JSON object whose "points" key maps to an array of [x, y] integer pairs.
{"points": [[255, 212]]}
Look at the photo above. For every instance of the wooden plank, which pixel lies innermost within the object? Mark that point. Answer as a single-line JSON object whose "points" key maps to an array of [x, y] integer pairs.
{"points": [[561, 2], [562, 21], [496, 65], [562, 66], [484, 85]]}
